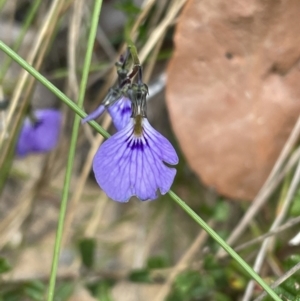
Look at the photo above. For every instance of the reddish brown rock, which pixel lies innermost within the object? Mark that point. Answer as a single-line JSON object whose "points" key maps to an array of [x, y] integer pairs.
{"points": [[233, 89]]}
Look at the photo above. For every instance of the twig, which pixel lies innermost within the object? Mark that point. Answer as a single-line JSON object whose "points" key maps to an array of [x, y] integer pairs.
{"points": [[262, 252], [73, 36], [161, 28], [267, 188], [151, 64], [289, 224]]}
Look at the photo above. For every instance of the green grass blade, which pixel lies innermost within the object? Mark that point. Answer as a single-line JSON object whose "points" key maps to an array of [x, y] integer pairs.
{"points": [[64, 201]]}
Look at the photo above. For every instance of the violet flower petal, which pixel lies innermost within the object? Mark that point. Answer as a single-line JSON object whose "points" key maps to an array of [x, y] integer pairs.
{"points": [[23, 146], [95, 114], [162, 147], [120, 112], [127, 165], [42, 136]]}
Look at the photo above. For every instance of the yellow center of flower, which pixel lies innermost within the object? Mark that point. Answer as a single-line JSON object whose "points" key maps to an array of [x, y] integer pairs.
{"points": [[138, 128]]}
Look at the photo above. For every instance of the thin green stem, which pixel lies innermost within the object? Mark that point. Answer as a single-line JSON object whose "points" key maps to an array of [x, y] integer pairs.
{"points": [[29, 18], [133, 52], [67, 181], [131, 46], [223, 244], [181, 203]]}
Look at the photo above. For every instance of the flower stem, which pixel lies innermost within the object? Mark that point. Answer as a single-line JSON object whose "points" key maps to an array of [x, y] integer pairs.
{"points": [[65, 194], [223, 244], [180, 202], [133, 52], [136, 62]]}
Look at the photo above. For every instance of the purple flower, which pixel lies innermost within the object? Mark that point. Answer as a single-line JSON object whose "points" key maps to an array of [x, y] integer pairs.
{"points": [[119, 110], [133, 162], [136, 160], [41, 134]]}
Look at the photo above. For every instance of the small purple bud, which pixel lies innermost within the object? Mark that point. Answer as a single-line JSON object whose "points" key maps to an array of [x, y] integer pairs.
{"points": [[95, 114]]}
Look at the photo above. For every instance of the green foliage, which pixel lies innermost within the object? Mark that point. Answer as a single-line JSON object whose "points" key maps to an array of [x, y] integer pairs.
{"points": [[63, 291], [144, 275], [208, 284], [289, 289], [4, 265], [87, 248], [221, 211], [193, 285], [128, 8], [295, 208], [292, 261], [101, 290], [34, 290], [157, 262]]}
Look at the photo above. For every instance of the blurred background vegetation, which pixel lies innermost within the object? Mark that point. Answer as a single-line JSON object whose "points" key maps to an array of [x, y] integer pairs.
{"points": [[134, 251]]}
